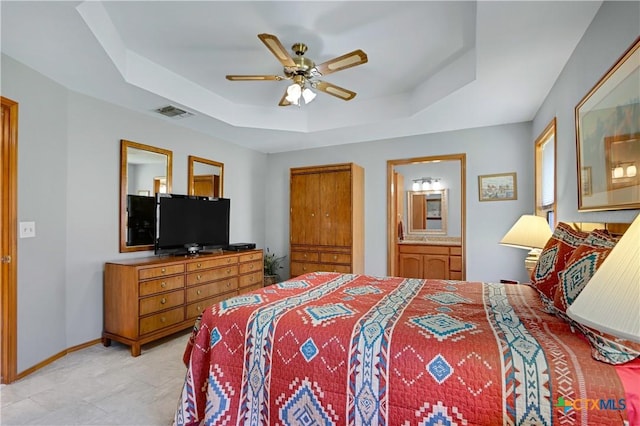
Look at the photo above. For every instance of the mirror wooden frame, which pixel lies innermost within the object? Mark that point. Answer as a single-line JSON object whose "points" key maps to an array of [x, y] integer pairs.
{"points": [[392, 230], [444, 212], [124, 146], [608, 138], [190, 182]]}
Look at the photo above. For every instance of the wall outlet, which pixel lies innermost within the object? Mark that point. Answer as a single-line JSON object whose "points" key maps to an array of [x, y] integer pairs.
{"points": [[27, 229]]}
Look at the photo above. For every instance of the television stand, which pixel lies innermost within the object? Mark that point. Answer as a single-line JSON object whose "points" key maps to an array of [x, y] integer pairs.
{"points": [[148, 298]]}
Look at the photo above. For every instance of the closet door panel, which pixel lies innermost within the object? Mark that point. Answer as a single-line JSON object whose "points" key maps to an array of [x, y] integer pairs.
{"points": [[305, 208]]}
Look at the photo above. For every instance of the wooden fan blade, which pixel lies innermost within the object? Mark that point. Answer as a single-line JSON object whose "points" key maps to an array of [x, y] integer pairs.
{"points": [[334, 90], [284, 101], [357, 57], [278, 50], [253, 77]]}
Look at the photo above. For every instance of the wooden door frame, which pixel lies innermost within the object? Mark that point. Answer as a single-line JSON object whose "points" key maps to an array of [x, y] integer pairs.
{"points": [[8, 241], [392, 229]]}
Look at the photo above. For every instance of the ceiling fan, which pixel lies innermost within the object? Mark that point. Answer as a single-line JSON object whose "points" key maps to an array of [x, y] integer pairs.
{"points": [[304, 73]]}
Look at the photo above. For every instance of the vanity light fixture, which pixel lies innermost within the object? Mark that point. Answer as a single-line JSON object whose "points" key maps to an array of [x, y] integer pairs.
{"points": [[624, 170], [426, 183]]}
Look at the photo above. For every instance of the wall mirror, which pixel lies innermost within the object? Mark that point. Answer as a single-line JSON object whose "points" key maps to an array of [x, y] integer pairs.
{"points": [[144, 171], [426, 212], [205, 177]]}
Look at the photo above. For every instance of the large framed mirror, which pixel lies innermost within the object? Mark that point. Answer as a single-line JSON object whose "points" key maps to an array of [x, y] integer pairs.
{"points": [[144, 171], [427, 212], [206, 177]]}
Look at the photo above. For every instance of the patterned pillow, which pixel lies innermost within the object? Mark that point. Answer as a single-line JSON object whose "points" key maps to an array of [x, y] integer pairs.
{"points": [[580, 268], [554, 256], [608, 348]]}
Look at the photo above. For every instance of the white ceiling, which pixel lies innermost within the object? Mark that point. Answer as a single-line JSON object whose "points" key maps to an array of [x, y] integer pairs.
{"points": [[433, 65]]}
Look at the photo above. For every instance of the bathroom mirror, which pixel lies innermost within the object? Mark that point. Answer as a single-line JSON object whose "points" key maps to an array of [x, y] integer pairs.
{"points": [[144, 171], [427, 212], [205, 177]]}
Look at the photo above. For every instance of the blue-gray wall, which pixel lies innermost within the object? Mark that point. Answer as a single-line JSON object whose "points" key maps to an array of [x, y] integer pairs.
{"points": [[68, 183]]}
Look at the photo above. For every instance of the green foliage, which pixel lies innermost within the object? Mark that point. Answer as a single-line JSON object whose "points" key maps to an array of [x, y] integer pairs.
{"points": [[272, 262]]}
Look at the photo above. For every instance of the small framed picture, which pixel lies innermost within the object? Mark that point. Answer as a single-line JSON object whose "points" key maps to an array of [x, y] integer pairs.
{"points": [[498, 187]]}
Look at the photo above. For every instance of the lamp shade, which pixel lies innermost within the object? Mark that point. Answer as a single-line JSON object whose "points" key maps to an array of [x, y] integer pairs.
{"points": [[528, 232], [610, 302]]}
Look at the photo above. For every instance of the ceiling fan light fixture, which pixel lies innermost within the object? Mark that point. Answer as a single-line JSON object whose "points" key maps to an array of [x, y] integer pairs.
{"points": [[293, 93], [308, 95]]}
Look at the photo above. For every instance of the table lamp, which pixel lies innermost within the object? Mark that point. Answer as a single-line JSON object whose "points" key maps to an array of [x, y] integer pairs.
{"points": [[531, 233], [610, 302]]}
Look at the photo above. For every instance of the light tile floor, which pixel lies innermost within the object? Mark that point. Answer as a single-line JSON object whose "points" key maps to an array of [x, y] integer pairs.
{"points": [[101, 386]]}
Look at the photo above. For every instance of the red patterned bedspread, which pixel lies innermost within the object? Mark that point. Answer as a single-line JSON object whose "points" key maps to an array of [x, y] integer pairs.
{"points": [[328, 348]]}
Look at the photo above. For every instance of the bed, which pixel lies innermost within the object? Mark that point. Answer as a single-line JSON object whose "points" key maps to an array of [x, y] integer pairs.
{"points": [[332, 349]]}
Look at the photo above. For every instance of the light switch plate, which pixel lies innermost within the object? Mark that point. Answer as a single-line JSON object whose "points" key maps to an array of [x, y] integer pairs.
{"points": [[27, 229]]}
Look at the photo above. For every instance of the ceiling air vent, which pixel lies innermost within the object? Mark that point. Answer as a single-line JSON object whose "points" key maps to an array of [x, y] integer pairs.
{"points": [[173, 112]]}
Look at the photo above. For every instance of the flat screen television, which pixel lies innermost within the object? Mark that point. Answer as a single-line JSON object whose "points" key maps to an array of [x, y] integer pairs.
{"points": [[190, 224]]}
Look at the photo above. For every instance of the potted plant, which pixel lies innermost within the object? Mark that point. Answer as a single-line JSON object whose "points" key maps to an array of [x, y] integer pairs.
{"points": [[272, 262]]}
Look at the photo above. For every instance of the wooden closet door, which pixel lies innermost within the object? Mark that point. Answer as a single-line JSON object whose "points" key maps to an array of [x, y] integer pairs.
{"points": [[335, 199], [305, 208]]}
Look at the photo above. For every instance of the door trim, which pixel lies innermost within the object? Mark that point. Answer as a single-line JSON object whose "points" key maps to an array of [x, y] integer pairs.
{"points": [[8, 240], [392, 229]]}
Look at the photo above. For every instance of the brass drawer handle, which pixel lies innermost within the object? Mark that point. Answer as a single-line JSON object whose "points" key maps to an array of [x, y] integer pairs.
{"points": [[252, 278], [250, 266], [163, 301], [229, 260], [199, 308], [199, 265], [163, 270], [304, 268], [163, 284], [228, 271], [199, 292], [335, 257], [228, 285], [198, 277], [163, 319]]}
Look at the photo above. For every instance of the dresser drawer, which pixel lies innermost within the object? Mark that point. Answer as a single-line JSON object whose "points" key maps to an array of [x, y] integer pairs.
{"points": [[304, 256], [455, 263], [212, 289], [244, 290], [323, 267], [455, 275], [251, 256], [196, 308], [198, 265], [456, 251], [161, 301], [335, 258], [251, 279], [161, 320], [202, 277], [163, 284], [160, 271], [247, 267], [299, 268]]}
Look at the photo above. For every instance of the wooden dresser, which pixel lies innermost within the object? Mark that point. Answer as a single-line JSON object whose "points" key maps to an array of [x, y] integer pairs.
{"points": [[430, 261], [152, 297], [327, 219]]}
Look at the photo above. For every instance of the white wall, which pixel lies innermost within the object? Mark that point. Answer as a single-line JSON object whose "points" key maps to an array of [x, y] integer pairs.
{"points": [[489, 150], [613, 30], [68, 183]]}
